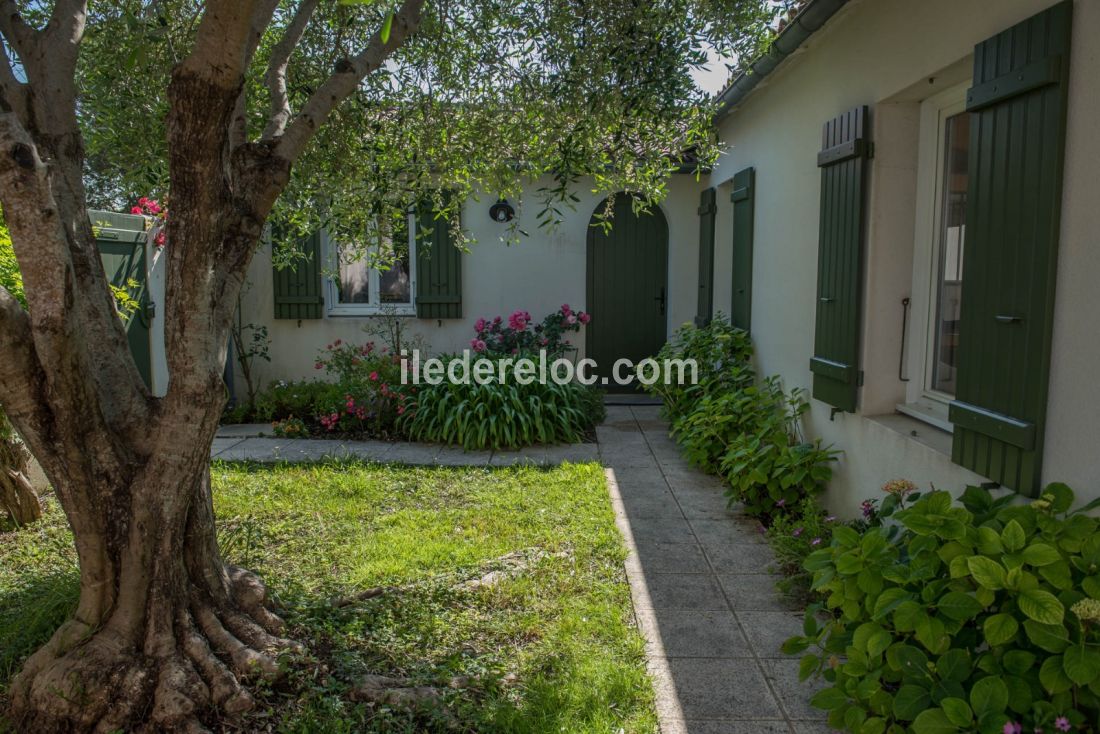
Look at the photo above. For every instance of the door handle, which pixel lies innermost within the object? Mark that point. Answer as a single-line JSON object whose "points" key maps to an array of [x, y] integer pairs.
{"points": [[661, 299], [1008, 319]]}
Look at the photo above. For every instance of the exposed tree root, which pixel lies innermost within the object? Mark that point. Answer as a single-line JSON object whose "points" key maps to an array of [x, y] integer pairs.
{"points": [[181, 674]]}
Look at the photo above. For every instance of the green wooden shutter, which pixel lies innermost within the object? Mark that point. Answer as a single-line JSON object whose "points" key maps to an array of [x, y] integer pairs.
{"points": [[438, 268], [1017, 137], [707, 209], [297, 286], [744, 205], [843, 163]]}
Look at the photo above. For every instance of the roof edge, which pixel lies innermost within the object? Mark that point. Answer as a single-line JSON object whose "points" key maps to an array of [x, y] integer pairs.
{"points": [[809, 20]]}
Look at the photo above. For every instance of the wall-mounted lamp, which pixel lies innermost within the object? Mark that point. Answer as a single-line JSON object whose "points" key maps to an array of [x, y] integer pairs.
{"points": [[502, 211]]}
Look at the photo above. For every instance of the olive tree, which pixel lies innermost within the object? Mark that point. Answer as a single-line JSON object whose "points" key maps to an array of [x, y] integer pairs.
{"points": [[318, 111]]}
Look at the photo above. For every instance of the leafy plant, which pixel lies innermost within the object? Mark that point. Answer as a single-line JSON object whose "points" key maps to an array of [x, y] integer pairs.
{"points": [[728, 424], [501, 414], [794, 536], [290, 428], [981, 616], [770, 468], [250, 343], [521, 334]]}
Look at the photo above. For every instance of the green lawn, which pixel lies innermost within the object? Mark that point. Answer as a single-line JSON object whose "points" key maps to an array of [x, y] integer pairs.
{"points": [[549, 648]]}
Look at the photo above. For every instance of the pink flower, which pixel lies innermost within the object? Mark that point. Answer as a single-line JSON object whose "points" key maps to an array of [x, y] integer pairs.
{"points": [[1062, 724], [143, 201], [565, 310], [136, 210], [815, 541], [374, 376], [570, 319], [1013, 728], [400, 409], [151, 205], [160, 239], [518, 320], [477, 345], [317, 365], [337, 343], [797, 532], [584, 317], [479, 325]]}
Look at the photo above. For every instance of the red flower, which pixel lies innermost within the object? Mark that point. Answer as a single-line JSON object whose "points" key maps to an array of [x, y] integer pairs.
{"points": [[136, 210], [160, 239], [374, 376]]}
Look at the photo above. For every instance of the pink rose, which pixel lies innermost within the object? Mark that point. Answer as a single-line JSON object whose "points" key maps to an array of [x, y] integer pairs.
{"points": [[477, 345], [160, 239], [374, 376], [479, 326], [570, 319], [584, 317], [135, 210], [565, 309]]}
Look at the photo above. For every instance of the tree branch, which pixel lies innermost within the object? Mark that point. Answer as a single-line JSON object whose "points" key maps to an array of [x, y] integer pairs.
{"points": [[20, 372], [13, 92], [21, 36], [277, 66], [349, 73], [221, 51]]}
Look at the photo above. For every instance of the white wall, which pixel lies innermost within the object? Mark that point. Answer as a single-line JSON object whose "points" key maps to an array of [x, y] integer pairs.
{"points": [[537, 274], [890, 54]]}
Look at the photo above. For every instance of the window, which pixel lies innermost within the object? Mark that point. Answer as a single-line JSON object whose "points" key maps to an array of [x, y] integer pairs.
{"points": [[940, 248], [357, 289]]}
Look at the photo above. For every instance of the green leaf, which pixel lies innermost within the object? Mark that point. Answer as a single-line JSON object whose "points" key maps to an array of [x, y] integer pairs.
{"points": [[1013, 536], [987, 572], [933, 721], [1061, 497], [387, 26], [1053, 676], [1049, 637], [829, 699], [954, 666], [989, 696], [888, 601], [1081, 664], [959, 606], [999, 629], [1042, 606], [1041, 554], [958, 711], [910, 700], [1018, 662]]}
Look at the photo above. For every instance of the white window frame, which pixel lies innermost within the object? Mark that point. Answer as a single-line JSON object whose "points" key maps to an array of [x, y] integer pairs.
{"points": [[375, 307], [921, 400]]}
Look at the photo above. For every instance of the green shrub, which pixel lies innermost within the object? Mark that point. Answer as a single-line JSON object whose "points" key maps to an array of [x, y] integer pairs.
{"points": [[728, 424], [979, 617], [495, 415], [794, 536]]}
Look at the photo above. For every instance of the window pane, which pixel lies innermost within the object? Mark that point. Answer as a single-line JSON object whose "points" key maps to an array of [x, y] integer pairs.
{"points": [[394, 284], [354, 281], [952, 238]]}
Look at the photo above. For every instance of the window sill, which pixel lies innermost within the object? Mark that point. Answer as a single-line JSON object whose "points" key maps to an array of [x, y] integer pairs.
{"points": [[343, 313], [927, 414], [920, 431]]}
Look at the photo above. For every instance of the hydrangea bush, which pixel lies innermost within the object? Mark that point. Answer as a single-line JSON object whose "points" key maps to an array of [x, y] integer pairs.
{"points": [[981, 615]]}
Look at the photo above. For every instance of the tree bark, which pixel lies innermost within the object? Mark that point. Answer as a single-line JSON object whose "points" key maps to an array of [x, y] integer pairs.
{"points": [[17, 496], [165, 633]]}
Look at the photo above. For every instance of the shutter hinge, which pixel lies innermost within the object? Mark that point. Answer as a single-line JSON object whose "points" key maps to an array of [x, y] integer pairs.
{"points": [[870, 150], [859, 379]]}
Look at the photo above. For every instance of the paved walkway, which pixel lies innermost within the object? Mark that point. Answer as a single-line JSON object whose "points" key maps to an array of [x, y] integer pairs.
{"points": [[699, 574]]}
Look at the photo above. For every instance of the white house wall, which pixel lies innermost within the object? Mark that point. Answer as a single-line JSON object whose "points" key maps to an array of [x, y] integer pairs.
{"points": [[538, 274], [890, 54]]}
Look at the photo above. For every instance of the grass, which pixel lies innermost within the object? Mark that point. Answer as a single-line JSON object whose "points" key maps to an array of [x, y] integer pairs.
{"points": [[549, 648]]}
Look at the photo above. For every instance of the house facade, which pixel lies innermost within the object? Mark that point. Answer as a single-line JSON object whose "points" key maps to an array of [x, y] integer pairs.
{"points": [[923, 253], [905, 218]]}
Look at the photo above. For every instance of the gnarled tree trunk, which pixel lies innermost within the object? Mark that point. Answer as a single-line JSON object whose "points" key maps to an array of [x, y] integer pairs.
{"points": [[165, 633]]}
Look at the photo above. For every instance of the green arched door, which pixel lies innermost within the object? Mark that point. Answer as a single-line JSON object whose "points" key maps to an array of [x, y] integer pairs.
{"points": [[627, 287]]}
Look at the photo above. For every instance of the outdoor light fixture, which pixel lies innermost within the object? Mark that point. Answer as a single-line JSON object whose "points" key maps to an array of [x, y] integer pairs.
{"points": [[502, 211]]}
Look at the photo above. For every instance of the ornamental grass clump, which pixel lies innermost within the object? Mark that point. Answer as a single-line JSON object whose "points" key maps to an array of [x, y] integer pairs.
{"points": [[981, 615]]}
